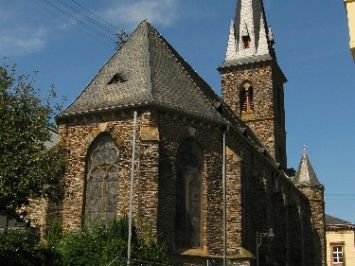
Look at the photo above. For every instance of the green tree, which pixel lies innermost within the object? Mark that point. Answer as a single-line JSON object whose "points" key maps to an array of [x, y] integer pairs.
{"points": [[27, 168], [22, 248], [106, 242]]}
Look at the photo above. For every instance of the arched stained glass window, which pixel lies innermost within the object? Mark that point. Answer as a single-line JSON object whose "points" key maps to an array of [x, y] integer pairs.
{"points": [[189, 164], [102, 180]]}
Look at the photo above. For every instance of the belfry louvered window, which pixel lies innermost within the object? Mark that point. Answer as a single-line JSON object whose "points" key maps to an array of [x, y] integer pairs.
{"points": [[246, 41], [247, 98], [189, 163], [102, 180]]}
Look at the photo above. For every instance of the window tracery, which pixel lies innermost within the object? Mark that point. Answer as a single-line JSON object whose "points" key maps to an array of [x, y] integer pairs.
{"points": [[102, 180]]}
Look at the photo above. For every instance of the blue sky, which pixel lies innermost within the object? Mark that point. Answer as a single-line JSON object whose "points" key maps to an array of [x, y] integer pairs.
{"points": [[311, 45]]}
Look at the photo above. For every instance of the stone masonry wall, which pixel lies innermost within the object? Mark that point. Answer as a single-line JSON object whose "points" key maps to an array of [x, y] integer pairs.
{"points": [[77, 136], [173, 131], [315, 195], [258, 198], [257, 191], [267, 120]]}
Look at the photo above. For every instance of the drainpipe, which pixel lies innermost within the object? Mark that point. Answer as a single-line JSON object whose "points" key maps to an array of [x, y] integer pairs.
{"points": [[224, 197], [132, 189]]}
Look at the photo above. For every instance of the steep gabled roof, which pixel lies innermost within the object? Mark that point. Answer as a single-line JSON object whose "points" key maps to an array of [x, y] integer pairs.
{"points": [[146, 70]]}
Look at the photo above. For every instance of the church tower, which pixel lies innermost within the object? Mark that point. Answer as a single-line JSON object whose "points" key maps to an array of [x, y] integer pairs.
{"points": [[252, 81]]}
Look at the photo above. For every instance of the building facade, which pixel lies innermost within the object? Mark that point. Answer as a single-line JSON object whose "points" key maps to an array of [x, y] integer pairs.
{"points": [[340, 242], [210, 172], [350, 10]]}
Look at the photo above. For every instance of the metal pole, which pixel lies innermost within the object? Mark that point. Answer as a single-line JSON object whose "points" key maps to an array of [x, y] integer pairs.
{"points": [[132, 189], [224, 200]]}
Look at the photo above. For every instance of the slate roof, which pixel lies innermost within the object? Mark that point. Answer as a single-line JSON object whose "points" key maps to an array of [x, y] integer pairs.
{"points": [[305, 174], [331, 220], [335, 224], [146, 70]]}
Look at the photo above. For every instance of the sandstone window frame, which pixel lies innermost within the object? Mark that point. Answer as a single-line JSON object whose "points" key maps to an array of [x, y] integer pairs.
{"points": [[188, 221], [337, 254], [246, 96], [101, 180]]}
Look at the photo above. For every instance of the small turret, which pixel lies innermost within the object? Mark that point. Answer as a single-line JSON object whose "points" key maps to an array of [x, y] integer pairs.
{"points": [[305, 174], [306, 180]]}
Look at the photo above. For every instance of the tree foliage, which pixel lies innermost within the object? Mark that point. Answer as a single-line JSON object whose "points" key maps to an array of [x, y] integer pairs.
{"points": [[97, 245], [27, 168], [103, 243], [22, 248]]}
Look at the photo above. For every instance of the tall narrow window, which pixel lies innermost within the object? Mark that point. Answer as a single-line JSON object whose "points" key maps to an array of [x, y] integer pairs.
{"points": [[189, 163], [247, 98], [102, 180], [338, 255]]}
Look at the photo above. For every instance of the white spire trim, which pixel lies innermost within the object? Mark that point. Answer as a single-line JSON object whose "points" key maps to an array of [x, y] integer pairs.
{"points": [[231, 53], [263, 44], [250, 21]]}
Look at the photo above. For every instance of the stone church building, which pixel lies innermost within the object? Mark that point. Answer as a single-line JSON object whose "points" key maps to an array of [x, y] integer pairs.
{"points": [[210, 171]]}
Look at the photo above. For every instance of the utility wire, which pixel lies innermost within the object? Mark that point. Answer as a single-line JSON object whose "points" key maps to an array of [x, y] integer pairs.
{"points": [[87, 19], [74, 14], [110, 27], [79, 23], [76, 22]]}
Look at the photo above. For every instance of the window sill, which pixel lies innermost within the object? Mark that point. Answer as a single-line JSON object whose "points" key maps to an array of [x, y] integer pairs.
{"points": [[248, 116]]}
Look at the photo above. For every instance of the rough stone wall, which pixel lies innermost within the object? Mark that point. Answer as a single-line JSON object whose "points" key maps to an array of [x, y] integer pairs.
{"points": [[267, 120], [264, 131], [262, 197], [309, 236], [234, 201], [78, 134], [315, 194], [257, 192], [173, 131], [37, 214], [295, 236], [280, 243], [262, 80]]}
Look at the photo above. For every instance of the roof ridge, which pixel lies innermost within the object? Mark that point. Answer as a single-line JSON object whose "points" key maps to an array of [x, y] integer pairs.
{"points": [[150, 27], [188, 70], [149, 61]]}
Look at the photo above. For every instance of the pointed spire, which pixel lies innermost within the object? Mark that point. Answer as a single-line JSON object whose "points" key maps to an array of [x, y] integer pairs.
{"points": [[251, 33], [305, 174]]}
